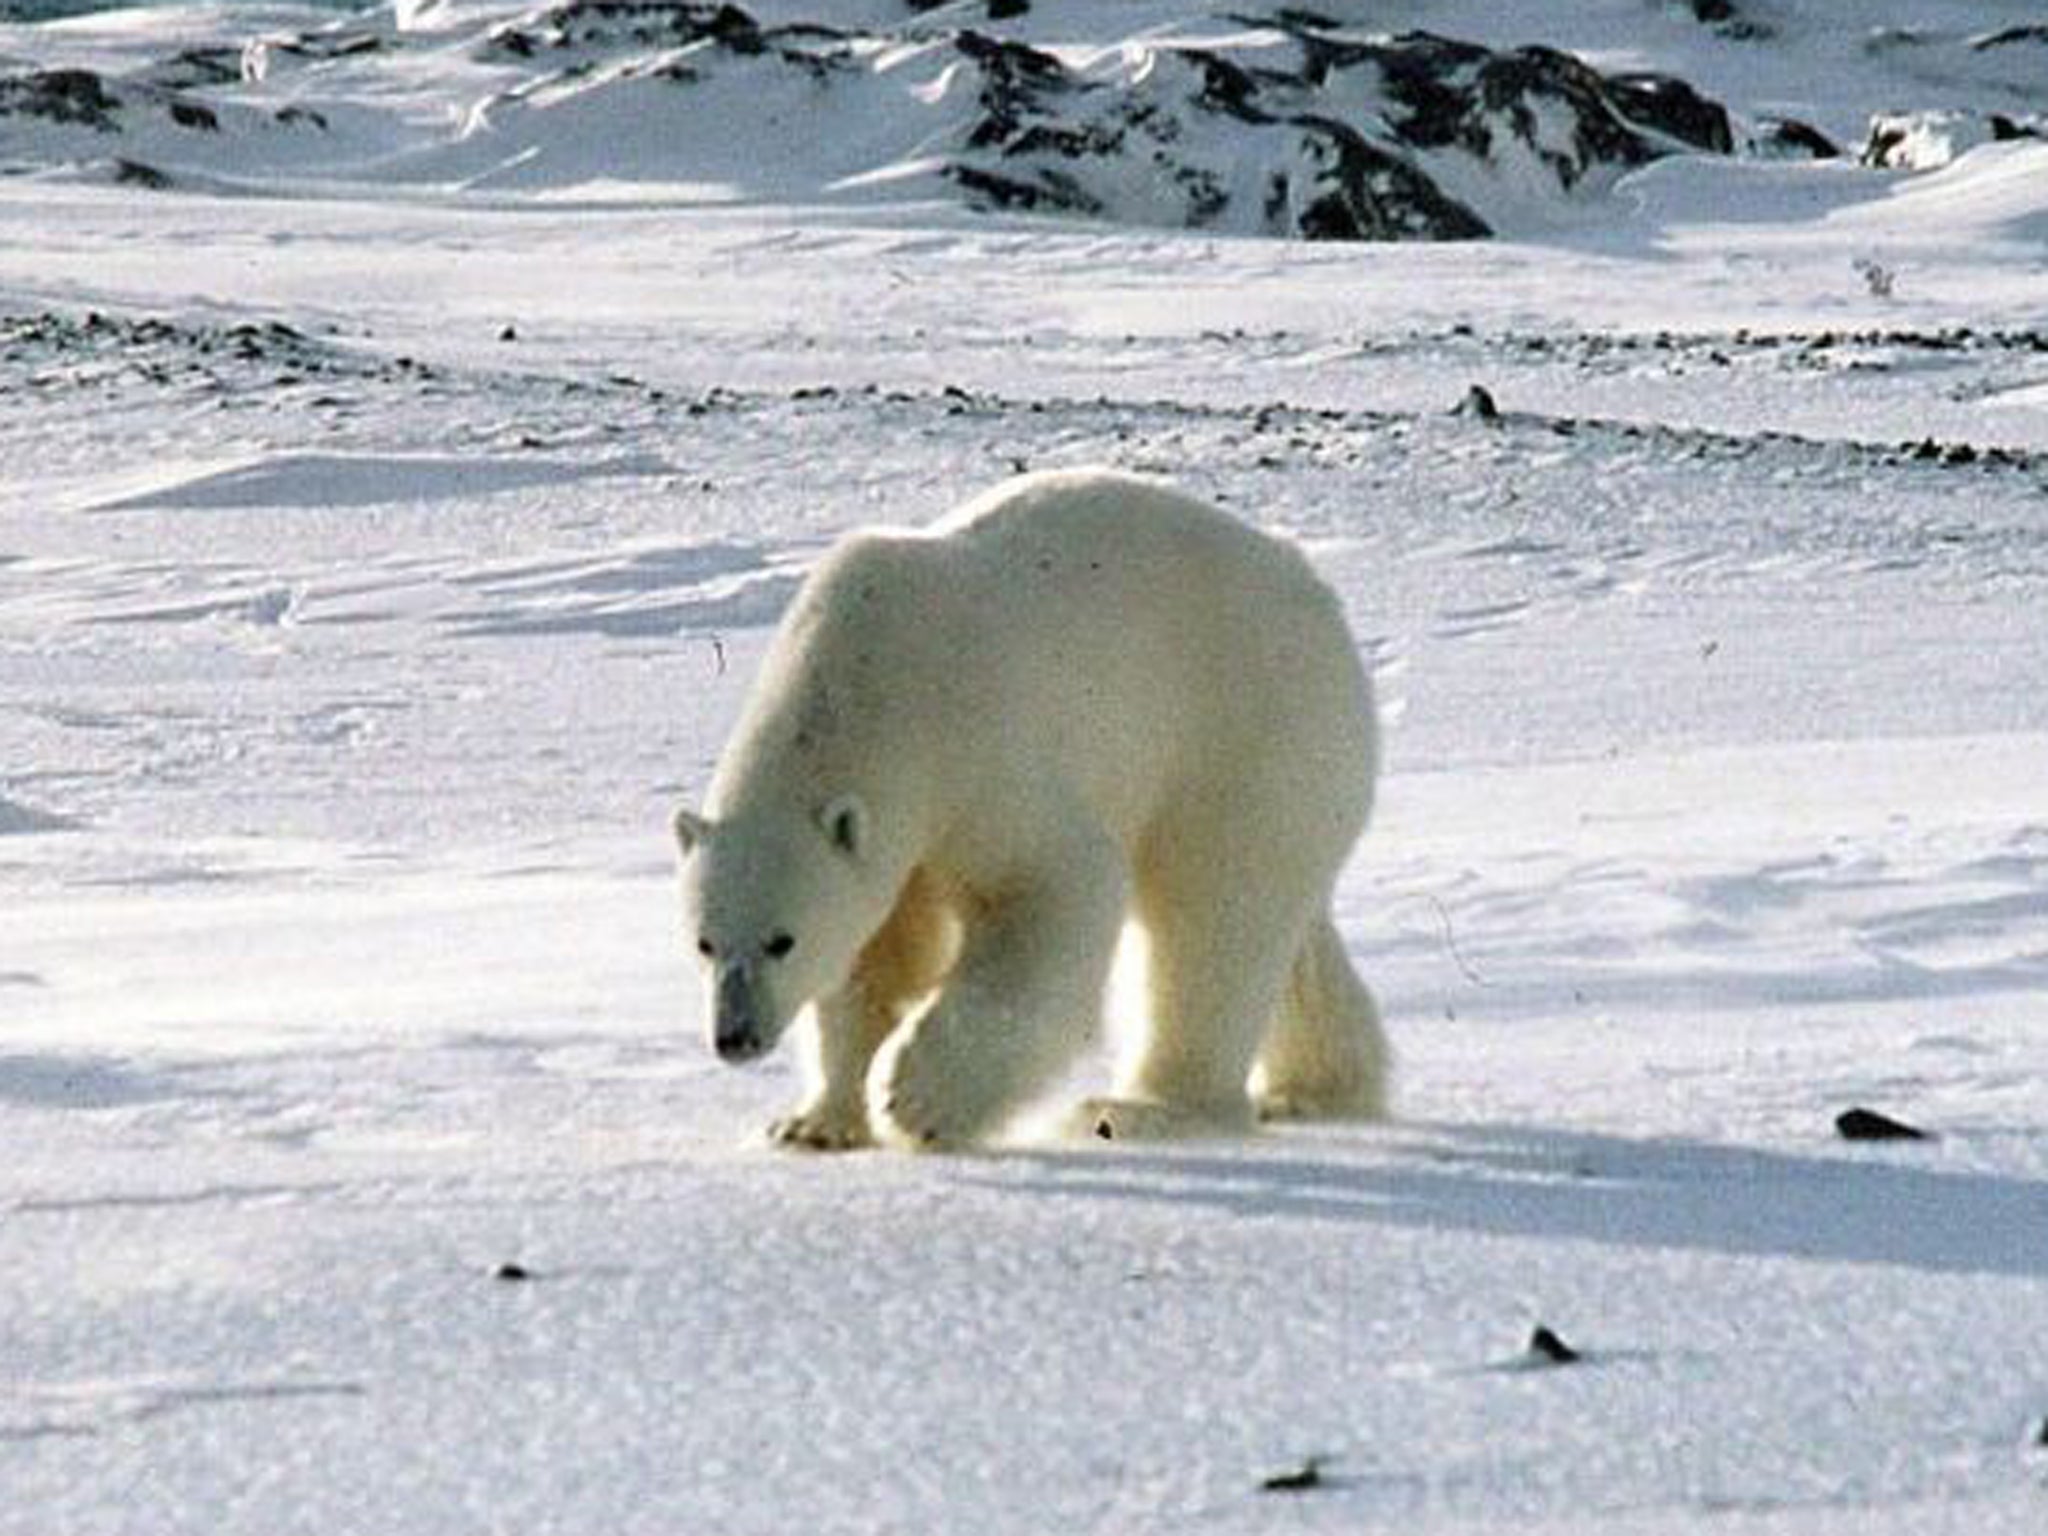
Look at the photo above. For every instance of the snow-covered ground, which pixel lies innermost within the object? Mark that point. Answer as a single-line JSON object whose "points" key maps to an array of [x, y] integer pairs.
{"points": [[379, 565]]}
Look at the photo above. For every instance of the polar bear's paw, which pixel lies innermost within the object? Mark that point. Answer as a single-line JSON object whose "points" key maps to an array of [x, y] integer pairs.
{"points": [[1116, 1120], [823, 1128], [923, 1099]]}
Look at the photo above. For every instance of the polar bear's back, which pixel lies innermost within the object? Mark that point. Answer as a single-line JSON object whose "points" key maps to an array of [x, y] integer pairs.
{"points": [[1082, 634], [1145, 638], [1120, 561]]}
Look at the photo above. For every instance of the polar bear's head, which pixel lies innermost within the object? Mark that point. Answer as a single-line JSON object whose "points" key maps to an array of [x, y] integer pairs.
{"points": [[777, 905]]}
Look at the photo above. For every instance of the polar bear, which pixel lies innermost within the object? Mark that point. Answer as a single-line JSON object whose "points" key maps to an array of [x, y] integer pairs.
{"points": [[976, 754]]}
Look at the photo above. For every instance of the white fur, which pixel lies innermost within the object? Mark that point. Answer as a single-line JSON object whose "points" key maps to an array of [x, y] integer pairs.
{"points": [[975, 752]]}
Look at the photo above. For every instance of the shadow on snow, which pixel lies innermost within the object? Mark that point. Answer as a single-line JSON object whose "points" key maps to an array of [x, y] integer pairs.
{"points": [[1517, 1182]]}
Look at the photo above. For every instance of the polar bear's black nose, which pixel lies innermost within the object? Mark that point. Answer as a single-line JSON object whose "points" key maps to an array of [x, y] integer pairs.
{"points": [[738, 1048], [737, 1043], [735, 1024]]}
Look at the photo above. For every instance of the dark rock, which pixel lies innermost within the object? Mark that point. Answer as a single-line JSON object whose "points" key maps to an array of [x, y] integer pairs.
{"points": [[71, 96], [512, 1274], [133, 173], [612, 26], [220, 65], [1925, 141], [2005, 37], [1546, 1348], [1302, 1479], [190, 114], [332, 43], [1670, 106], [1725, 18], [1886, 135], [1465, 96], [1302, 19], [1478, 404], [1369, 194], [1008, 10], [1788, 138], [1868, 1125], [1226, 87], [1018, 81], [1047, 191], [1334, 175]]}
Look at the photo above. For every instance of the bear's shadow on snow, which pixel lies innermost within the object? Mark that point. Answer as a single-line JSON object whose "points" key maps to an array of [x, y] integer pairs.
{"points": [[1512, 1181]]}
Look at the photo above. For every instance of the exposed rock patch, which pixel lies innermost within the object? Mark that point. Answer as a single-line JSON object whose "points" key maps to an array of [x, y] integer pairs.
{"points": [[1242, 117], [1927, 141]]}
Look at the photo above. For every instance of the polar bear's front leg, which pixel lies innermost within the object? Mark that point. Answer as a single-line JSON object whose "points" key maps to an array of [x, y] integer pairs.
{"points": [[900, 965], [1025, 997], [849, 1028]]}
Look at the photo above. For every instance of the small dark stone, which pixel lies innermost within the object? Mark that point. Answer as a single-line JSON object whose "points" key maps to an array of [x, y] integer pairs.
{"points": [[190, 114], [1789, 137], [1959, 453], [2033, 32], [2041, 1435], [1868, 1125], [511, 1274], [133, 173], [1104, 1131], [1546, 1346], [1301, 1479], [1006, 10], [510, 333], [1478, 404]]}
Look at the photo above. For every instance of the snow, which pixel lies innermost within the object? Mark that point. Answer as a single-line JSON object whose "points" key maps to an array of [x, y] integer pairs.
{"points": [[380, 564]]}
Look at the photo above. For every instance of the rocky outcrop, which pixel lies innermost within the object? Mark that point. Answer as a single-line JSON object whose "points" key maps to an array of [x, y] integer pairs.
{"points": [[1280, 121], [1927, 141]]}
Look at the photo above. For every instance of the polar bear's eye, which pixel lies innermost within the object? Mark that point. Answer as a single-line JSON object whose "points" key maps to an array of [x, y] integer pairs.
{"points": [[778, 946]]}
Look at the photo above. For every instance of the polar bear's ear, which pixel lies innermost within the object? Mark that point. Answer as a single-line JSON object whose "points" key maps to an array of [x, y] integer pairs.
{"points": [[845, 821], [691, 829]]}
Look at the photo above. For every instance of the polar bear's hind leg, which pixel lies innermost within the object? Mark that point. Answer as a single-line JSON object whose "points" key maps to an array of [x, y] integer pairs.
{"points": [[1222, 926], [1325, 1056]]}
